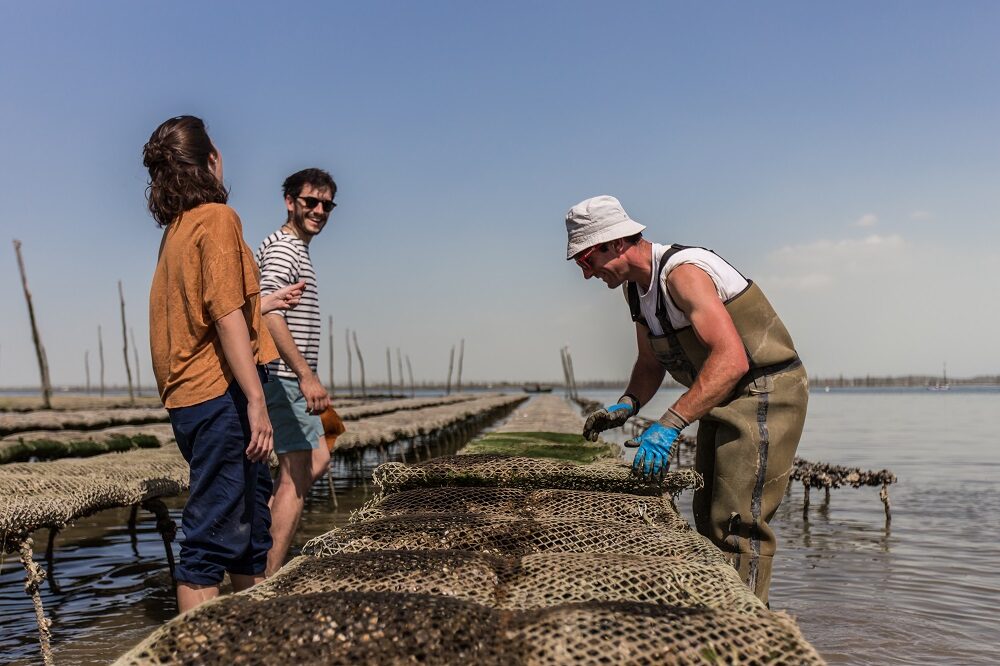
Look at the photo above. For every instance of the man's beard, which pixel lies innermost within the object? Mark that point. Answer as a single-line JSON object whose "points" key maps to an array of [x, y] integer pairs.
{"points": [[299, 221]]}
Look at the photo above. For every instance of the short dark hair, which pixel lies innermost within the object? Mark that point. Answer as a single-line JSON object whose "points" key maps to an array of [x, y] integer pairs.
{"points": [[179, 175], [633, 239], [292, 187]]}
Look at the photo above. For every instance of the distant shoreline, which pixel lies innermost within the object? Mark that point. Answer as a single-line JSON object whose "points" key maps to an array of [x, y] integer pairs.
{"points": [[908, 381]]}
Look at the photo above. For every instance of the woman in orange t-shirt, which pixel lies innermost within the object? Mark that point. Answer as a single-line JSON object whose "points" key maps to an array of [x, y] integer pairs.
{"points": [[208, 349]]}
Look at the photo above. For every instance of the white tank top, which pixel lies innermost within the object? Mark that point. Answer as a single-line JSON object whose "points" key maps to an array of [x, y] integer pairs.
{"points": [[728, 283]]}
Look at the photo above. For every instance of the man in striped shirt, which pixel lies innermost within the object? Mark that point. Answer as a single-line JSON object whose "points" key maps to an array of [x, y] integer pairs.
{"points": [[295, 395]]}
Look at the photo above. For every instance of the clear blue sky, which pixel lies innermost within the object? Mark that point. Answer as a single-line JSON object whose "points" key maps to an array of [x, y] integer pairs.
{"points": [[845, 155]]}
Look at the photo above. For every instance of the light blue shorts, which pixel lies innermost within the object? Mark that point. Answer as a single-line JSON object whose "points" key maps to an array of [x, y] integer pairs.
{"points": [[295, 429]]}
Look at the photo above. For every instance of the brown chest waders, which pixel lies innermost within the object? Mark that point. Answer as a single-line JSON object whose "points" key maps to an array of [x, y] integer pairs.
{"points": [[746, 444]]}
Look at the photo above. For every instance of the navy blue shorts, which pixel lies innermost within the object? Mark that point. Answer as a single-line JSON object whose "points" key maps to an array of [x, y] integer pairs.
{"points": [[226, 520]]}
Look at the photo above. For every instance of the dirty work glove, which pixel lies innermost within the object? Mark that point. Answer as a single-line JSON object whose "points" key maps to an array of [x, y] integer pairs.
{"points": [[607, 418], [653, 457]]}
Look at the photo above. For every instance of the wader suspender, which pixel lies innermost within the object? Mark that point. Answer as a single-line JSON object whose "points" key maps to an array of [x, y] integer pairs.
{"points": [[678, 359]]}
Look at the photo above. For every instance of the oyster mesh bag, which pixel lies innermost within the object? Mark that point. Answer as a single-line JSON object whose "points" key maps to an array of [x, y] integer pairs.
{"points": [[521, 503], [520, 472], [395, 628]]}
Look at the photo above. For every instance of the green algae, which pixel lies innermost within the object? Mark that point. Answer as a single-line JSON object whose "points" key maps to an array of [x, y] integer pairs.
{"points": [[555, 445], [51, 449]]}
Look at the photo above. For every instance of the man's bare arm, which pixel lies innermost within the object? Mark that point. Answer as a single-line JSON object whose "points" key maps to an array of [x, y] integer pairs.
{"points": [[647, 373], [317, 399], [694, 292]]}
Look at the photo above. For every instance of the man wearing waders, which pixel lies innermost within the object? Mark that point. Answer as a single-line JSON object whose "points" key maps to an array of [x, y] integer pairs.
{"points": [[714, 331]]}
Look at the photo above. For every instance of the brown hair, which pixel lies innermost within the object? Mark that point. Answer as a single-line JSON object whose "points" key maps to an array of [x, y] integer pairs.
{"points": [[179, 175]]}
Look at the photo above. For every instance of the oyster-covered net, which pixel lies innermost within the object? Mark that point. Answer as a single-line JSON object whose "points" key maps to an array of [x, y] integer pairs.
{"points": [[524, 503], [519, 472], [387, 627]]}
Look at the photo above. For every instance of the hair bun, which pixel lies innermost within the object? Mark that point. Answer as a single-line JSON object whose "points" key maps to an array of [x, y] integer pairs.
{"points": [[154, 154]]}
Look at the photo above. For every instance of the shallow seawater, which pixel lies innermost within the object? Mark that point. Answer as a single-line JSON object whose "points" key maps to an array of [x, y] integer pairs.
{"points": [[924, 590], [110, 590]]}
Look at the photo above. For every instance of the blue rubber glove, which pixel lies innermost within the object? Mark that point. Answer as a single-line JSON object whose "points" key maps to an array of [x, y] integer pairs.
{"points": [[653, 457], [607, 418]]}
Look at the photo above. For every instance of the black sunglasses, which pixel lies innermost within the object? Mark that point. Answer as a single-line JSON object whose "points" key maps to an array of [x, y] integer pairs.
{"points": [[310, 203]]}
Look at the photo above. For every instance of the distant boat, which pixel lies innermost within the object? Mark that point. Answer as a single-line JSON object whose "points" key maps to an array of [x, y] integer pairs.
{"points": [[942, 384], [537, 388]]}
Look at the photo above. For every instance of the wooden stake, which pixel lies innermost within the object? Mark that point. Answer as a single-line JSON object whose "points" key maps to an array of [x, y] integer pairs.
{"points": [[451, 363], [409, 371], [572, 374], [100, 355], [86, 367], [461, 357], [350, 379], [135, 355], [333, 387], [128, 370], [361, 364], [562, 358], [43, 362], [388, 368], [399, 365]]}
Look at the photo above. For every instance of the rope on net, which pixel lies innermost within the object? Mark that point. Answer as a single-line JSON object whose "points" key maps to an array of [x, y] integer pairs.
{"points": [[34, 577]]}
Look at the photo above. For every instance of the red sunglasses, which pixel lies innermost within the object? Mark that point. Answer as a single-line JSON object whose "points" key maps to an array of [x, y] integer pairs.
{"points": [[583, 259]]}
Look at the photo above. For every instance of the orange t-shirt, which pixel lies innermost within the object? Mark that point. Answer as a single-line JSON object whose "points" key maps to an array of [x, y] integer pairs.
{"points": [[205, 271]]}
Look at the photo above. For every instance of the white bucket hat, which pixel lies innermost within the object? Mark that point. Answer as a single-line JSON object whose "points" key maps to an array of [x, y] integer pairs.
{"points": [[597, 220]]}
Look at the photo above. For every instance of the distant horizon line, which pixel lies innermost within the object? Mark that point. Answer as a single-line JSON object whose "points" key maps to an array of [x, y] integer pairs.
{"points": [[834, 381]]}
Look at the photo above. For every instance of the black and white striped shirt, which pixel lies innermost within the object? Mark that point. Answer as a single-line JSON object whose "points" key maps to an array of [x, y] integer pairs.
{"points": [[284, 260]]}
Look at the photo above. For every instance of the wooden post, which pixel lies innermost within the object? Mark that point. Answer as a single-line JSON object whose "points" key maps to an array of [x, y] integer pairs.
{"points": [[461, 357], [135, 355], [361, 364], [388, 368], [451, 364], [399, 366], [86, 367], [100, 356], [333, 387], [409, 371], [128, 370], [572, 374], [350, 379], [43, 362], [565, 368]]}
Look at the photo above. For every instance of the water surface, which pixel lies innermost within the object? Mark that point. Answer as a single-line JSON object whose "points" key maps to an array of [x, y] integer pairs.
{"points": [[926, 590]]}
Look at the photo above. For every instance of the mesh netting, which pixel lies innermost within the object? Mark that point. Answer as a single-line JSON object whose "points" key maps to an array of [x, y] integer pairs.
{"points": [[379, 627], [499, 470], [84, 419], [359, 410], [520, 503], [487, 558], [532, 581], [511, 538], [406, 424], [52, 494]]}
